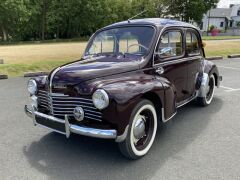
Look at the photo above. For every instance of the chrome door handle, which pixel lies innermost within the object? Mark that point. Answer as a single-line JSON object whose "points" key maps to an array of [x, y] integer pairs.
{"points": [[160, 70]]}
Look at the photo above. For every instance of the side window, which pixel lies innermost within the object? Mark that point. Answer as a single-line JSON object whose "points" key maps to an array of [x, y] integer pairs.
{"points": [[192, 44], [170, 45]]}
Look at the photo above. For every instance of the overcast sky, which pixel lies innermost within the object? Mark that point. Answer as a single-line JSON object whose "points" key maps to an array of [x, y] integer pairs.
{"points": [[226, 3]]}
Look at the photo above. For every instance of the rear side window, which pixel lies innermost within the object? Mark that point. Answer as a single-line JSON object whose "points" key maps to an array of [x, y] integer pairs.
{"points": [[171, 44], [192, 43]]}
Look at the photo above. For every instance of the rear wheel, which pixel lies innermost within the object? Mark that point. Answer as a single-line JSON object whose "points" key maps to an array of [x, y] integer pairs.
{"points": [[142, 131], [210, 89]]}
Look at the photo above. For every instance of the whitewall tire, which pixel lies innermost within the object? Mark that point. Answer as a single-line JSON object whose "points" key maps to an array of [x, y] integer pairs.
{"points": [[210, 90], [142, 131]]}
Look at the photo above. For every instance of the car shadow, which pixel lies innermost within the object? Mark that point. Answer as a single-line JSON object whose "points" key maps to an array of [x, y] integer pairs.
{"points": [[88, 158]]}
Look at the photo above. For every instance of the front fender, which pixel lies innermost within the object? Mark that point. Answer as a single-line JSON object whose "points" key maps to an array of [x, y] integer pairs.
{"points": [[125, 93]]}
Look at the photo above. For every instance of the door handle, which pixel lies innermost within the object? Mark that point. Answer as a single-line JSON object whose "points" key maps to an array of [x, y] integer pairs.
{"points": [[160, 70]]}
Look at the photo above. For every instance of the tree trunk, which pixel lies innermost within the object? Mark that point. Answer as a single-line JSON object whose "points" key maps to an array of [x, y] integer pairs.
{"points": [[5, 34], [44, 14]]}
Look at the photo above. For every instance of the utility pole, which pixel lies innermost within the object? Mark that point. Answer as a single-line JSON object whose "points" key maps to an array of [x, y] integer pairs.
{"points": [[209, 14]]}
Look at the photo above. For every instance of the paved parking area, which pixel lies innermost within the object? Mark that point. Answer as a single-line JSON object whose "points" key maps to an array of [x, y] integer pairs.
{"points": [[198, 143]]}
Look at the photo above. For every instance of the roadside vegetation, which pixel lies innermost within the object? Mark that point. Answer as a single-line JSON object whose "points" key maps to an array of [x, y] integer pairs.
{"points": [[34, 20], [220, 37]]}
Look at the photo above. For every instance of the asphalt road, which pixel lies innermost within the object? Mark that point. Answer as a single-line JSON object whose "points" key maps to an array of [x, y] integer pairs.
{"points": [[198, 143]]}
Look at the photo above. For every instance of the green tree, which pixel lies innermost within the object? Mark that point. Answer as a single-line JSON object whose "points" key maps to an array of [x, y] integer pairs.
{"points": [[188, 10], [12, 14]]}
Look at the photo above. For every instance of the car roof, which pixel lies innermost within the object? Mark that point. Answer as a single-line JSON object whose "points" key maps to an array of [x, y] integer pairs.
{"points": [[159, 22]]}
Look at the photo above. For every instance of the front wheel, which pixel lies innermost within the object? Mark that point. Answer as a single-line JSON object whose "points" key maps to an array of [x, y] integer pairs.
{"points": [[142, 131], [210, 89]]}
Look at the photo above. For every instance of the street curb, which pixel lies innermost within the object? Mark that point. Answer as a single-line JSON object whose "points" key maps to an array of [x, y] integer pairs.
{"points": [[3, 76], [234, 56], [34, 74], [215, 58]]}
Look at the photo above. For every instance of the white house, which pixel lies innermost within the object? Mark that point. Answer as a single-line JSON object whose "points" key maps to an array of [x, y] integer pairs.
{"points": [[222, 18]]}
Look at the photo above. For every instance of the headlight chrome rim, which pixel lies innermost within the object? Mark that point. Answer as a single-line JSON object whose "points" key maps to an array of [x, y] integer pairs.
{"points": [[32, 86], [100, 92]]}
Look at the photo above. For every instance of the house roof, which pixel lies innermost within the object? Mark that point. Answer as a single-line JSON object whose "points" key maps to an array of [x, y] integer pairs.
{"points": [[220, 13]]}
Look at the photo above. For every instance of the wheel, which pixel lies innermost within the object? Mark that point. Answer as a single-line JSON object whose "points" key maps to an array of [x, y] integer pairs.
{"points": [[210, 89], [142, 131]]}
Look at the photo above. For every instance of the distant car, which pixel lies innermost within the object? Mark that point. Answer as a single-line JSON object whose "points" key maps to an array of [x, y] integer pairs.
{"points": [[133, 75]]}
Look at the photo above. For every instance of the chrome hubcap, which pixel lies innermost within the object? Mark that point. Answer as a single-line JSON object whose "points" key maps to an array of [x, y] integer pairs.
{"points": [[139, 128]]}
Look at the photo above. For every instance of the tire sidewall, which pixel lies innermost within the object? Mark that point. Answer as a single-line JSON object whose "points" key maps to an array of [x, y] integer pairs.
{"points": [[129, 140], [207, 102]]}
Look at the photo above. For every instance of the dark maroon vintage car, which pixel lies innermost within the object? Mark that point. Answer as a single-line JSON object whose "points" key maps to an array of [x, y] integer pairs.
{"points": [[133, 76]]}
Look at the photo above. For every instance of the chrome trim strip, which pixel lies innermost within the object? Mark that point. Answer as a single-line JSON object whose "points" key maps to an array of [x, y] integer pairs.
{"points": [[184, 103], [187, 101], [163, 116], [71, 98], [70, 128], [44, 100], [87, 110], [67, 105], [43, 105], [51, 78], [93, 118], [181, 60], [56, 114], [58, 95], [94, 115], [75, 102]]}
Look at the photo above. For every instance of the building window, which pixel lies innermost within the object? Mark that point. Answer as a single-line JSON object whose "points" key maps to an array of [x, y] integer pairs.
{"points": [[222, 23], [238, 13]]}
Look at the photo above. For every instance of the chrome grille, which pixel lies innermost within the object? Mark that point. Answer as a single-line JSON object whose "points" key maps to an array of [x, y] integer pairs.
{"points": [[60, 105]]}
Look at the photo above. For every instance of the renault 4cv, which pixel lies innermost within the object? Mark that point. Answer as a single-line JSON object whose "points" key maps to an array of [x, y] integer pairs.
{"points": [[132, 76]]}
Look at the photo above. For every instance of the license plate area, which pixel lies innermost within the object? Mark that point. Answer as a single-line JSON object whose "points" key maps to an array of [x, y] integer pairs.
{"points": [[50, 124]]}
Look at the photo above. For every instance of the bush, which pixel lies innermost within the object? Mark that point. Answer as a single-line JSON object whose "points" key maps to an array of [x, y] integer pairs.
{"points": [[211, 28]]}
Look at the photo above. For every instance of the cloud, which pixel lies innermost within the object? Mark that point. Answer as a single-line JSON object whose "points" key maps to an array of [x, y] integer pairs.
{"points": [[226, 3]]}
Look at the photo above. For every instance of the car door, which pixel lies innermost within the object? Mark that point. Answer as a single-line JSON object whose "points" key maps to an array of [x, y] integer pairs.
{"points": [[170, 63], [194, 55]]}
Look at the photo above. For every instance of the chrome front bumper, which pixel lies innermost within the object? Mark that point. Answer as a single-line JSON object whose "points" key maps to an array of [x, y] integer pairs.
{"points": [[71, 128]]}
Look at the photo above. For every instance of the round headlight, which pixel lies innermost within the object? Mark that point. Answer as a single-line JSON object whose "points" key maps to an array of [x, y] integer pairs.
{"points": [[32, 86], [100, 99]]}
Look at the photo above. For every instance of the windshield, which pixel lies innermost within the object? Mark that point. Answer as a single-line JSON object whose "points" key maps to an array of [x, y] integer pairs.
{"points": [[127, 40]]}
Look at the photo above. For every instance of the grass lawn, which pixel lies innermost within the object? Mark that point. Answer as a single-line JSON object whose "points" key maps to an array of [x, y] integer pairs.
{"points": [[44, 57], [220, 37], [222, 48]]}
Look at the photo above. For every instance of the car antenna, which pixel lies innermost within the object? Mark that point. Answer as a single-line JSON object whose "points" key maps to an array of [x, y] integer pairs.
{"points": [[137, 15]]}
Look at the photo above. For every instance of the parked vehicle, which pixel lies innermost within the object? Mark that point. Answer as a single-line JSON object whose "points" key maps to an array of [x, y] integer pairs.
{"points": [[132, 76]]}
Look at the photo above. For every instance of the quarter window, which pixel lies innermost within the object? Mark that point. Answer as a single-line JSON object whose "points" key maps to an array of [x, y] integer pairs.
{"points": [[170, 45], [192, 44]]}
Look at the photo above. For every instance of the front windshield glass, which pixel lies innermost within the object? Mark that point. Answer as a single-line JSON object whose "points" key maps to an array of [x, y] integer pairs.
{"points": [[127, 40]]}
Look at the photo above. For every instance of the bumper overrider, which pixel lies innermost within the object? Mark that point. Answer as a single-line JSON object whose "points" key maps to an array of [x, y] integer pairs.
{"points": [[63, 126]]}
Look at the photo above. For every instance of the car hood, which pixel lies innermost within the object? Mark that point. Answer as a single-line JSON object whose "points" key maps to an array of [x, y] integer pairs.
{"points": [[88, 69]]}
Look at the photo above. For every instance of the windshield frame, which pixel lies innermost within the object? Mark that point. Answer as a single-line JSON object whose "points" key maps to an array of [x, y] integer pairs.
{"points": [[122, 26]]}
